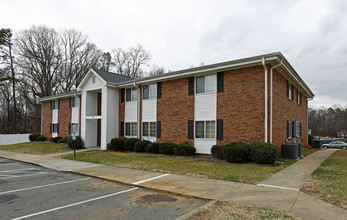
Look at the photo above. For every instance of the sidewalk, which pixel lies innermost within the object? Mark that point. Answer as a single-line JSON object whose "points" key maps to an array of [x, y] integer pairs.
{"points": [[288, 198]]}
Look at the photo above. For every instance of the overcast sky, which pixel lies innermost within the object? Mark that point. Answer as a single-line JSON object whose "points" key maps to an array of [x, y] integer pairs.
{"points": [[311, 34]]}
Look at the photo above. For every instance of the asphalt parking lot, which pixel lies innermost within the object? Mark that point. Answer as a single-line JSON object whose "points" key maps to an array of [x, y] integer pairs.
{"points": [[33, 192]]}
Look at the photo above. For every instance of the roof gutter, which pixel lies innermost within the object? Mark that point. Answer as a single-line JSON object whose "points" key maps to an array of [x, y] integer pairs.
{"points": [[266, 113]]}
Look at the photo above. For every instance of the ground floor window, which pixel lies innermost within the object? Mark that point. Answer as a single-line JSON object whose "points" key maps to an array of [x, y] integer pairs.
{"points": [[131, 129], [149, 129], [205, 129], [55, 128]]}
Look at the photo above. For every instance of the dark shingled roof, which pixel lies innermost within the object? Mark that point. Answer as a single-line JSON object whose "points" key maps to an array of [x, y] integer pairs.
{"points": [[112, 77]]}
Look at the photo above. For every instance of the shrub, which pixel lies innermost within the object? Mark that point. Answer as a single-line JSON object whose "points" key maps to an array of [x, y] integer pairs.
{"points": [[61, 141], [217, 151], [117, 144], [66, 139], [264, 153], [236, 152], [153, 148], [141, 146], [78, 143], [41, 138], [166, 148], [130, 143], [55, 139], [184, 150], [34, 136]]}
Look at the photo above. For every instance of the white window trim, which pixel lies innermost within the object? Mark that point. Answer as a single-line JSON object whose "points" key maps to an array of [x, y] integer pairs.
{"points": [[55, 104], [204, 138], [204, 93]]}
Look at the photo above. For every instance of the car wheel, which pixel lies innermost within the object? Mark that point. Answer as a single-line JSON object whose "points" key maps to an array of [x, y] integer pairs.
{"points": [[325, 147], [344, 147]]}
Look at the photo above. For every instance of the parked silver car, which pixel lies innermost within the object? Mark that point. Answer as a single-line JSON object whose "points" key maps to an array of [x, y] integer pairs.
{"points": [[336, 144]]}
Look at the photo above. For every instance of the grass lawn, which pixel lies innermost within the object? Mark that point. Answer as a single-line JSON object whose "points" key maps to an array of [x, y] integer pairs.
{"points": [[307, 151], [245, 173], [231, 210], [35, 148], [329, 181]]}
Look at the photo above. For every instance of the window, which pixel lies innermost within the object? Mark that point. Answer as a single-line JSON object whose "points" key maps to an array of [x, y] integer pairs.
{"points": [[150, 91], [290, 91], [206, 84], [289, 129], [131, 129], [131, 94], [75, 101], [55, 104], [298, 97], [93, 80], [149, 129], [55, 128], [205, 129]]}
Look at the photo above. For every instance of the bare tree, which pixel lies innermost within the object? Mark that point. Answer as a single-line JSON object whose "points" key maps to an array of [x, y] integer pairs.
{"points": [[156, 70], [79, 56], [105, 61], [129, 62], [8, 60]]}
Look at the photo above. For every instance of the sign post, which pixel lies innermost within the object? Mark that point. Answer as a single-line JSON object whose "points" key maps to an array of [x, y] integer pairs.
{"points": [[74, 143]]}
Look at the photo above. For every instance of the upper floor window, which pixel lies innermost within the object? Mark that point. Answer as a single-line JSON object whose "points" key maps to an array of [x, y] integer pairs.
{"points": [[150, 91], [131, 94], [206, 84], [55, 104], [298, 97], [75, 101]]}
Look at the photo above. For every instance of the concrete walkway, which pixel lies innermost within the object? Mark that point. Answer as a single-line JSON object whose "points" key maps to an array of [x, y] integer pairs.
{"points": [[285, 197]]}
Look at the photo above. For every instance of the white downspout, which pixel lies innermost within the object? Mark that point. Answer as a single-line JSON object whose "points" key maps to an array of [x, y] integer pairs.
{"points": [[138, 109], [271, 79], [265, 70]]}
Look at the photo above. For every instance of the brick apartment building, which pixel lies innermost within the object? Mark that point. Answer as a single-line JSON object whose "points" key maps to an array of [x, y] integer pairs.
{"points": [[257, 98]]}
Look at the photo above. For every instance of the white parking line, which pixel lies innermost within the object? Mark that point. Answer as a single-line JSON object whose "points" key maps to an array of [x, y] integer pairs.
{"points": [[74, 204], [32, 174], [17, 170], [153, 178], [42, 186]]}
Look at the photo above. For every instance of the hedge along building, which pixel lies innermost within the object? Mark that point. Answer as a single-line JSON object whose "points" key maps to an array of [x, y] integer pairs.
{"points": [[260, 98]]}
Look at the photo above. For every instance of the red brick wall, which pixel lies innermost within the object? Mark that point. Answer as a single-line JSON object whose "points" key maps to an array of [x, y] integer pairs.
{"points": [[46, 119], [174, 109], [64, 117], [286, 110], [121, 112], [241, 105]]}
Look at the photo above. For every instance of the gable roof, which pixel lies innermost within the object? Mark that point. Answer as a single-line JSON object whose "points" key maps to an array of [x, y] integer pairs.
{"points": [[111, 77]]}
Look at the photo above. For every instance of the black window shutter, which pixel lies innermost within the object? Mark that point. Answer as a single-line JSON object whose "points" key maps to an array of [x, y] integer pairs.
{"points": [[57, 128], [220, 82], [158, 129], [287, 129], [191, 85], [58, 103], [300, 129], [50, 127], [122, 95], [51, 104], [293, 129], [122, 128], [69, 102], [219, 129], [287, 89], [190, 129], [159, 90], [69, 128], [292, 92]]}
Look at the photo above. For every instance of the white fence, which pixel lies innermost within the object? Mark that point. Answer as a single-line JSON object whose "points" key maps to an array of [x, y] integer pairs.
{"points": [[13, 138]]}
